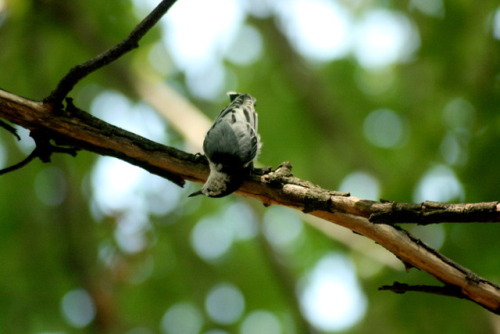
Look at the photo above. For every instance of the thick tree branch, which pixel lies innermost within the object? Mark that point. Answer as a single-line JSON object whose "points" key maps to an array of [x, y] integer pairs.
{"points": [[80, 71], [72, 127], [434, 212], [81, 130], [58, 125]]}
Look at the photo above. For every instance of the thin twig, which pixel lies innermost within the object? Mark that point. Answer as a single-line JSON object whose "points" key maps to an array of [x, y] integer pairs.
{"points": [[9, 128], [84, 131], [446, 290], [80, 71], [43, 150], [20, 164]]}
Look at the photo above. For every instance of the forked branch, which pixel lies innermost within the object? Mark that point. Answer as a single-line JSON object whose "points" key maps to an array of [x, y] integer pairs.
{"points": [[80, 71], [77, 129]]}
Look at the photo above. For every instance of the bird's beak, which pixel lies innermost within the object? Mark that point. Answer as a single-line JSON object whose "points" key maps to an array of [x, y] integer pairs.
{"points": [[196, 193]]}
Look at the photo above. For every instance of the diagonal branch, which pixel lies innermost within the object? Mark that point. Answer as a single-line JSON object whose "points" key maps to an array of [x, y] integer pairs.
{"points": [[92, 134], [375, 220], [430, 212], [80, 71], [81, 130]]}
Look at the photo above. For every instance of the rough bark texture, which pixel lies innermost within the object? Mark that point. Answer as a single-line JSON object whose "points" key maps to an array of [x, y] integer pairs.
{"points": [[78, 129], [53, 125]]}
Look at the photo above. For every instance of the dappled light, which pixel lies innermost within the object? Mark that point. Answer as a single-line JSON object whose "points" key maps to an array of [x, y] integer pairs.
{"points": [[496, 24], [439, 184], [138, 118], [196, 48], [51, 186], [383, 38], [78, 308], [434, 235], [392, 102], [319, 29], [433, 8], [330, 294], [225, 303], [210, 239], [261, 321], [182, 318], [283, 228], [385, 128], [246, 48], [361, 184]]}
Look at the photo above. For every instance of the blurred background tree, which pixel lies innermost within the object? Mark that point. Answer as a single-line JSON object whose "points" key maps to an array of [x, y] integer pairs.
{"points": [[384, 99]]}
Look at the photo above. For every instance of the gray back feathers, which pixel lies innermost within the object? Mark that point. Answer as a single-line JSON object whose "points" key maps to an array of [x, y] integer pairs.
{"points": [[233, 139]]}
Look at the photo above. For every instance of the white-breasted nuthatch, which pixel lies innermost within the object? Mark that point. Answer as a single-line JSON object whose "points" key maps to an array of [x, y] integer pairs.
{"points": [[231, 145]]}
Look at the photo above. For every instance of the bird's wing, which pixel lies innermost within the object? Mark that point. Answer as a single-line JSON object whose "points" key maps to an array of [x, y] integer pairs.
{"points": [[233, 140], [231, 143]]}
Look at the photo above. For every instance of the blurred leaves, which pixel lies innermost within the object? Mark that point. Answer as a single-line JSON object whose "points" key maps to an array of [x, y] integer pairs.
{"points": [[56, 239]]}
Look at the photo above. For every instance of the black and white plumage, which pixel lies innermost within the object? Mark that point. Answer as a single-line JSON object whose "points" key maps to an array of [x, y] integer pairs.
{"points": [[231, 145]]}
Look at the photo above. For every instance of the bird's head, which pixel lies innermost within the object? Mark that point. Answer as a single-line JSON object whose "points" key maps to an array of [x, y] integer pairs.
{"points": [[220, 184]]}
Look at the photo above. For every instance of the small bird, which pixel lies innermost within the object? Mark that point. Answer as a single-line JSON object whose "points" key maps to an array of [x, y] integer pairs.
{"points": [[231, 145]]}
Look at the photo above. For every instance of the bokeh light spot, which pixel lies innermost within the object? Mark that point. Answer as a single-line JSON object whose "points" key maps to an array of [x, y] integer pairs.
{"points": [[241, 220], [78, 308], [225, 303], [319, 29], [451, 150], [496, 24], [26, 144], [439, 184], [117, 109], [281, 226], [433, 235], [51, 186], [261, 322], [361, 184], [194, 46], [207, 83], [383, 38], [247, 46], [384, 128], [182, 318], [114, 184], [375, 82], [210, 239], [330, 295], [216, 331], [198, 49], [459, 114], [129, 234], [433, 8]]}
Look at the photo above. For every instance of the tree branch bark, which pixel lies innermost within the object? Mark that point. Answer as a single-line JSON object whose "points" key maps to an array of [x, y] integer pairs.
{"points": [[131, 42], [79, 129], [375, 220]]}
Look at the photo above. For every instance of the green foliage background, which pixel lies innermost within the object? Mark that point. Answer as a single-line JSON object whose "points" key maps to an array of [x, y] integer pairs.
{"points": [[310, 114]]}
